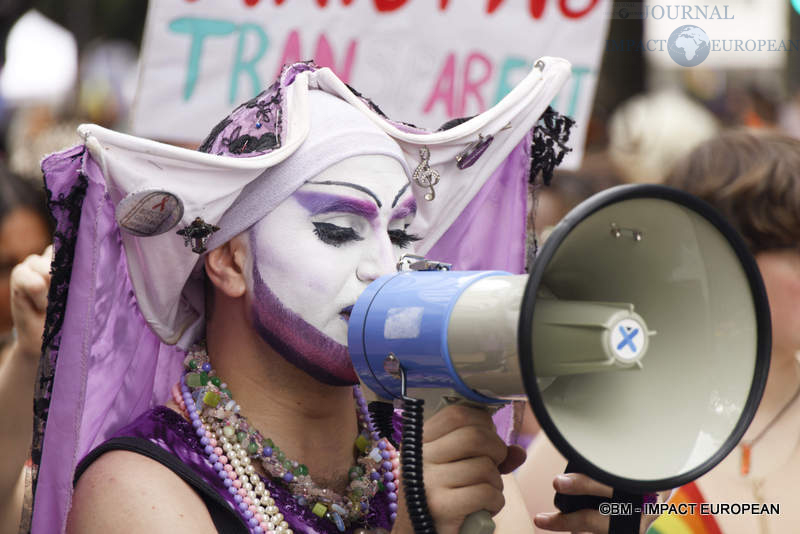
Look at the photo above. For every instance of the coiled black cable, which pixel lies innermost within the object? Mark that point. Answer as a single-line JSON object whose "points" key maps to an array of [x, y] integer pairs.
{"points": [[382, 415], [411, 460]]}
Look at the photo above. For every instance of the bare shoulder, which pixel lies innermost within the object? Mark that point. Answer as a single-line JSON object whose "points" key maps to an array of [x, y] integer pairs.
{"points": [[126, 492]]}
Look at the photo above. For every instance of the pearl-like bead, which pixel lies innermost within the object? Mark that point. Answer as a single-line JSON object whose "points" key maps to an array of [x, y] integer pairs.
{"points": [[249, 469], [277, 517]]}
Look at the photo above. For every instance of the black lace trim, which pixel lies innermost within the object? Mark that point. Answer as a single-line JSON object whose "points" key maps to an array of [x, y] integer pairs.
{"points": [[268, 116], [64, 239], [549, 144], [239, 143], [212, 136]]}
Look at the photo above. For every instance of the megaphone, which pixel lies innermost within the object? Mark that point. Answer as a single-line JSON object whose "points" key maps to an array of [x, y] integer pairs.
{"points": [[640, 337]]}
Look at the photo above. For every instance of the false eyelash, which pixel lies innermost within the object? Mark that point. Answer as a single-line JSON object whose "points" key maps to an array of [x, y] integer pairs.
{"points": [[401, 238], [332, 234]]}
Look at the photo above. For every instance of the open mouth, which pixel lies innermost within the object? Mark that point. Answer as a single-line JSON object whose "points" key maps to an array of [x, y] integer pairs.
{"points": [[345, 313]]}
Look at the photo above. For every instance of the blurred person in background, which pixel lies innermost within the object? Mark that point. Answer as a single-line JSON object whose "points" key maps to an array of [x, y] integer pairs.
{"points": [[649, 132]]}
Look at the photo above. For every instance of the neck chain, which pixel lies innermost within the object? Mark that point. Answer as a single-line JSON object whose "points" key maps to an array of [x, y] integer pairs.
{"points": [[747, 446], [233, 446]]}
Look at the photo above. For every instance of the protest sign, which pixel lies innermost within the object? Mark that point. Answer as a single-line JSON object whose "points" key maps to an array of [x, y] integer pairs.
{"points": [[422, 61]]}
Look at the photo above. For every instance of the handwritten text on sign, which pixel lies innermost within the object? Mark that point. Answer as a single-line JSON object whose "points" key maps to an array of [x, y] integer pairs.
{"points": [[422, 61]]}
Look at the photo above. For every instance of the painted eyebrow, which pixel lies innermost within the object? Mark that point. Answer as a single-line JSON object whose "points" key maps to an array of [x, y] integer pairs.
{"points": [[352, 186], [408, 207], [317, 203], [400, 193]]}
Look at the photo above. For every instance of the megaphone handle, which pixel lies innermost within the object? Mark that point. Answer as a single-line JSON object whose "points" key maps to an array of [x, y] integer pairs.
{"points": [[627, 523], [477, 523]]}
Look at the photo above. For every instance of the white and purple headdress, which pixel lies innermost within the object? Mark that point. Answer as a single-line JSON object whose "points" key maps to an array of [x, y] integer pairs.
{"points": [[126, 293]]}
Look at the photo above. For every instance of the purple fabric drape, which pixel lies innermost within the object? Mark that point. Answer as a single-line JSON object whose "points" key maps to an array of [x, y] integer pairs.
{"points": [[109, 366]]}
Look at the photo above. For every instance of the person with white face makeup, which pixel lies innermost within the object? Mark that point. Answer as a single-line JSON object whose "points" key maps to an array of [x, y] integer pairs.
{"points": [[267, 431], [276, 333]]}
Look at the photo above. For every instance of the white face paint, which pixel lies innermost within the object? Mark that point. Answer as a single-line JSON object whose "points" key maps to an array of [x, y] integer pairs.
{"points": [[319, 249]]}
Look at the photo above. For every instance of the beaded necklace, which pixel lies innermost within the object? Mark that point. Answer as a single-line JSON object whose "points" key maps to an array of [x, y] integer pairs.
{"points": [[232, 446]]}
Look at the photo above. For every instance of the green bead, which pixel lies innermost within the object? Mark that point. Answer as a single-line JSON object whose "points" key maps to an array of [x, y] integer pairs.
{"points": [[301, 470], [211, 398], [287, 464], [355, 472], [216, 381], [362, 443], [203, 378], [241, 436], [319, 510], [269, 443], [356, 494], [280, 455], [228, 431], [193, 380], [192, 364], [381, 487], [227, 392], [252, 447]]}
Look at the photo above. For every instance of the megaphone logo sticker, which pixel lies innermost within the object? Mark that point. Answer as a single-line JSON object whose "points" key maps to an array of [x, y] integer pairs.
{"points": [[627, 339]]}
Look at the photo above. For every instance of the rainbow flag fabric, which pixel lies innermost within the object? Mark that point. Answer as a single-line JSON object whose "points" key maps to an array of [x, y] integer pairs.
{"points": [[686, 524]]}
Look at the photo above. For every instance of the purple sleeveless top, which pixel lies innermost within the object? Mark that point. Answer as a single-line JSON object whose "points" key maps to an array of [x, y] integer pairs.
{"points": [[167, 429]]}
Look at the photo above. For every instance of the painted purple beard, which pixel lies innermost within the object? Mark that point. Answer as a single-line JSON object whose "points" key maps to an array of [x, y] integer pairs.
{"points": [[298, 342]]}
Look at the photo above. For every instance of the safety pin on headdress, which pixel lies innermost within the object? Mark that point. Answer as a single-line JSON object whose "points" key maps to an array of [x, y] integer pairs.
{"points": [[424, 175], [467, 157]]}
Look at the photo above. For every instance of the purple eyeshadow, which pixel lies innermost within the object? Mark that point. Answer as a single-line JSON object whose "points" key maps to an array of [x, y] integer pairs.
{"points": [[317, 203], [408, 207]]}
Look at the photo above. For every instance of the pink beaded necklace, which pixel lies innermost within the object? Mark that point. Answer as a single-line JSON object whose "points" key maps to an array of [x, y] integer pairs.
{"points": [[232, 446]]}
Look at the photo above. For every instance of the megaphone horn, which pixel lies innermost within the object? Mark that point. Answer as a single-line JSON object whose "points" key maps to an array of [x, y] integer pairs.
{"points": [[641, 337]]}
